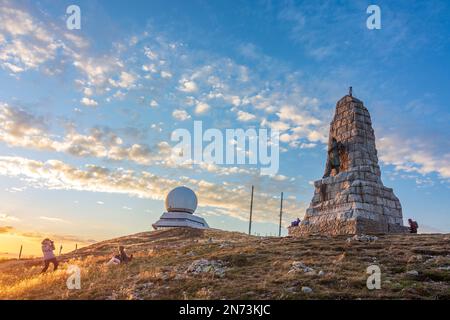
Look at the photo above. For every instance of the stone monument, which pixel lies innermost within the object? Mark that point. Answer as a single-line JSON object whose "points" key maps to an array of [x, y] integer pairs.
{"points": [[351, 198]]}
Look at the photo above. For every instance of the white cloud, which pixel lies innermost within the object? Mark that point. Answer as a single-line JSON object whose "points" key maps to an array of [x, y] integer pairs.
{"points": [[126, 80], [245, 116], [7, 218], [201, 107], [54, 174], [52, 219], [149, 68], [181, 115], [188, 86], [88, 92], [89, 102], [411, 155], [294, 115], [20, 128], [166, 74], [150, 54], [30, 44]]}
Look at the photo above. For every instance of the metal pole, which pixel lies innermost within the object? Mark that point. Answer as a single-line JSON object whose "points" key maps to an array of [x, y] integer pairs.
{"points": [[281, 214], [20, 252], [251, 212], [76, 246], [60, 249]]}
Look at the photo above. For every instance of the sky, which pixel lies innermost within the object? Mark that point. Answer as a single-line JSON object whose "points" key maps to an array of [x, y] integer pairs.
{"points": [[86, 115]]}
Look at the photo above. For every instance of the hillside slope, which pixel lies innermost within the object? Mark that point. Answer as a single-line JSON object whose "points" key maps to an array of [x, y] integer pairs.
{"points": [[168, 265]]}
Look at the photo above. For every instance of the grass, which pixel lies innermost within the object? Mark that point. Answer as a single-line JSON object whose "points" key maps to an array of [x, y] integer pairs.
{"points": [[256, 268]]}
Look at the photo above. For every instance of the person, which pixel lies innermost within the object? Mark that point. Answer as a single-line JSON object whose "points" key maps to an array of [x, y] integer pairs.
{"points": [[413, 226], [295, 223], [122, 256], [47, 249]]}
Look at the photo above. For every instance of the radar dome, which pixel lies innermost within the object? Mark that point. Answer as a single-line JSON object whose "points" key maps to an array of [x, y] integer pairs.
{"points": [[181, 199]]}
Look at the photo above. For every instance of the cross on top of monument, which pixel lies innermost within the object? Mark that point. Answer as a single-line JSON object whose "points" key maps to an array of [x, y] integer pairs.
{"points": [[350, 91]]}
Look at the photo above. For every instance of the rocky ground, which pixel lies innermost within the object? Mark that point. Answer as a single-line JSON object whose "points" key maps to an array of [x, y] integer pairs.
{"points": [[213, 264]]}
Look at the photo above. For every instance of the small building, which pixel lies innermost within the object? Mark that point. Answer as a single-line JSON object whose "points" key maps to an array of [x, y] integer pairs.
{"points": [[180, 203]]}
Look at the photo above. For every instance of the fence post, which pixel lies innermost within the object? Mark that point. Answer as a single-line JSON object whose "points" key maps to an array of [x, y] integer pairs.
{"points": [[251, 212], [281, 215]]}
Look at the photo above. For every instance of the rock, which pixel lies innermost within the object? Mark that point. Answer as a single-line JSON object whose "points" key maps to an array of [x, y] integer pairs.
{"points": [[290, 290], [300, 266], [306, 290], [321, 273], [412, 273], [362, 238], [416, 258], [215, 267], [447, 268]]}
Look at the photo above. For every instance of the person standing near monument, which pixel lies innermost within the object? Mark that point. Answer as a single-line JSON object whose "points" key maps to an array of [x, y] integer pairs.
{"points": [[49, 257], [413, 226]]}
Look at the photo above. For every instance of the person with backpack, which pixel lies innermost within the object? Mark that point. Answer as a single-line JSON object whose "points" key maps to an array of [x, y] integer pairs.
{"points": [[295, 223], [49, 257], [413, 226]]}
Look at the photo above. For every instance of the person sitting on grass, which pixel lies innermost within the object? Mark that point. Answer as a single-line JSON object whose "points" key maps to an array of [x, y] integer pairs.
{"points": [[47, 249], [413, 226], [122, 256]]}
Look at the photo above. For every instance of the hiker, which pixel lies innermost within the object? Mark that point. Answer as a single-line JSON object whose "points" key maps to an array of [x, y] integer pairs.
{"points": [[122, 257], [295, 223], [47, 249], [413, 226]]}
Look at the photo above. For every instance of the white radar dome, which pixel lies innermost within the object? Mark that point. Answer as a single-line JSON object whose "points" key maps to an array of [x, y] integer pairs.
{"points": [[181, 199]]}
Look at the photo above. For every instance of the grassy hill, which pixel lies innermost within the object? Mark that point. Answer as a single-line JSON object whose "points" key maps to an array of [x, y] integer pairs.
{"points": [[168, 265]]}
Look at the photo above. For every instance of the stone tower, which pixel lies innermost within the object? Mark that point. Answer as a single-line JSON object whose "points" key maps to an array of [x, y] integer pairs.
{"points": [[351, 198]]}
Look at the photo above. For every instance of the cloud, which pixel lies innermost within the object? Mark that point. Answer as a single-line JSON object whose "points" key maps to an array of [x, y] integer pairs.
{"points": [[181, 115], [187, 86], [26, 44], [294, 115], [89, 102], [166, 74], [245, 116], [7, 218], [52, 219], [233, 198], [38, 236], [6, 229], [21, 128], [201, 107], [126, 80], [149, 68], [413, 155]]}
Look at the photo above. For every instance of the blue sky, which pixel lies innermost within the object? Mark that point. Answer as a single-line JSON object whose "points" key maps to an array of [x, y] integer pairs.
{"points": [[87, 114]]}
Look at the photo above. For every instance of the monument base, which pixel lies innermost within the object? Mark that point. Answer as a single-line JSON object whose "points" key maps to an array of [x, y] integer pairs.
{"points": [[346, 227]]}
